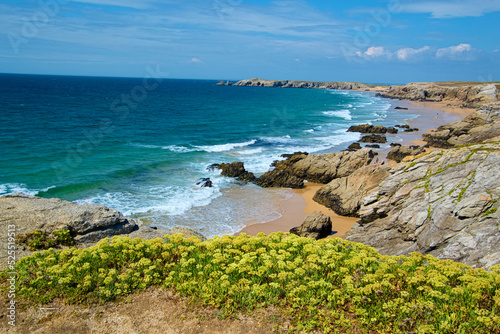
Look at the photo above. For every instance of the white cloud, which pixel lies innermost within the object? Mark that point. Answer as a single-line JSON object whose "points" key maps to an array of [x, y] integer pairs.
{"points": [[408, 53], [374, 52], [195, 60], [455, 52], [450, 9]]}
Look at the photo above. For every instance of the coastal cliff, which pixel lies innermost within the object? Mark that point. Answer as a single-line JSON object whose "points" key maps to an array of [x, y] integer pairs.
{"points": [[256, 82], [473, 95], [444, 203]]}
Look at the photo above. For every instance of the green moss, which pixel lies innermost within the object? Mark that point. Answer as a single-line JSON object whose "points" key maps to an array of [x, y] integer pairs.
{"points": [[490, 212], [38, 240]]}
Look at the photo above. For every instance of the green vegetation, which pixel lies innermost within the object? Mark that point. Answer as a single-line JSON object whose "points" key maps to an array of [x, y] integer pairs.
{"points": [[332, 284], [38, 239]]}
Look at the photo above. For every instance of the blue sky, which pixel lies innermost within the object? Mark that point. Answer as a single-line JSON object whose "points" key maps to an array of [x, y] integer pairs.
{"points": [[374, 41]]}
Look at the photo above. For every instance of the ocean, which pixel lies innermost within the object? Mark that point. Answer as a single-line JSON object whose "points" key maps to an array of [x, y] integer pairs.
{"points": [[139, 147]]}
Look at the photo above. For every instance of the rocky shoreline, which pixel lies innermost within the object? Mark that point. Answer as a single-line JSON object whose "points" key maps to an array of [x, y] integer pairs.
{"points": [[442, 202]]}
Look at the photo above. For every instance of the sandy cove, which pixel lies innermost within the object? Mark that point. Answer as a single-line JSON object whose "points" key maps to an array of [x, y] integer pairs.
{"points": [[300, 204]]}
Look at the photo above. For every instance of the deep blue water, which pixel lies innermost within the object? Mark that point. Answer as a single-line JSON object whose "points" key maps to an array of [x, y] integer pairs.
{"points": [[139, 149]]}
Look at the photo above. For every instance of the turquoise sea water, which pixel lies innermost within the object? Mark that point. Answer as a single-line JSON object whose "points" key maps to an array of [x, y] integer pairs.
{"points": [[140, 147]]}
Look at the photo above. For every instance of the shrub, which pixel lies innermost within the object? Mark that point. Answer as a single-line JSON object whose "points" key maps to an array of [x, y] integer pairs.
{"points": [[329, 284]]}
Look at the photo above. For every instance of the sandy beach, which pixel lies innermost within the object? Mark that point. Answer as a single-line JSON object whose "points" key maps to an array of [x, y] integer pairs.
{"points": [[300, 204]]}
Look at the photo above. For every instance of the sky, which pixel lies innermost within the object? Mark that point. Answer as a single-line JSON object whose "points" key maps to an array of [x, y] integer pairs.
{"points": [[371, 41]]}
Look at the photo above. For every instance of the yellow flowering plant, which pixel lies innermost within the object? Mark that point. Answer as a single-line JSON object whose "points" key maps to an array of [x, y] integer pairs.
{"points": [[329, 285]]}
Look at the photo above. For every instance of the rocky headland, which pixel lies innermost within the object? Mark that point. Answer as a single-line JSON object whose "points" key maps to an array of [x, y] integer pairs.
{"points": [[256, 82]]}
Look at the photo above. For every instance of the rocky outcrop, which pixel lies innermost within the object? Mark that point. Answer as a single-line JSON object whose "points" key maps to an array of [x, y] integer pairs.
{"points": [[256, 82], [316, 225], [221, 83], [480, 126], [87, 223], [236, 169], [467, 94], [373, 139], [320, 168], [443, 203], [344, 195], [399, 152], [368, 128]]}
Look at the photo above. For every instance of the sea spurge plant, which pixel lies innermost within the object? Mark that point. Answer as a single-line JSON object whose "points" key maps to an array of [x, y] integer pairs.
{"points": [[330, 284]]}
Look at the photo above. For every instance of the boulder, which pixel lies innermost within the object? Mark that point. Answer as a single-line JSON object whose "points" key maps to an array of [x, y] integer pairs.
{"points": [[374, 139], [236, 169], [316, 225], [354, 146], [444, 203], [344, 195], [398, 153]]}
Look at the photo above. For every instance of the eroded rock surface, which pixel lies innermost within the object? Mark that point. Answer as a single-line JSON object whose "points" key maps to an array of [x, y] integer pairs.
{"points": [[344, 195], [399, 152], [320, 168], [443, 203]]}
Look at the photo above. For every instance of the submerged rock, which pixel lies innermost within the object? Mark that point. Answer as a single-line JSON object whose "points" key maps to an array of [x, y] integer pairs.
{"points": [[204, 182], [316, 225], [444, 203]]}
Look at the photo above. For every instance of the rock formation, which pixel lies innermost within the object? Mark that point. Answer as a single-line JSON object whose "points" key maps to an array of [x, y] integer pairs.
{"points": [[316, 225], [368, 128], [443, 203], [482, 125], [256, 82], [344, 195], [236, 169], [320, 168], [87, 223]]}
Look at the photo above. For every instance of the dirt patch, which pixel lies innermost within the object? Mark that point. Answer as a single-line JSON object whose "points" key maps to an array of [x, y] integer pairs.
{"points": [[151, 311]]}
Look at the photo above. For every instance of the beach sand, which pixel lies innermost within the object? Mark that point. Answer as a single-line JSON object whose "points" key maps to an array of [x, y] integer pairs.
{"points": [[300, 204], [296, 208]]}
